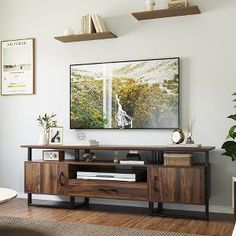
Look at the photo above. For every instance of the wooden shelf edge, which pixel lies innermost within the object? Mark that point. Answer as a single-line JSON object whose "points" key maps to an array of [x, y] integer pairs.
{"points": [[169, 12], [85, 37]]}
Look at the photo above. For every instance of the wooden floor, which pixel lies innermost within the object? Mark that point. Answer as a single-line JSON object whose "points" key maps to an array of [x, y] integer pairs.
{"points": [[219, 224]]}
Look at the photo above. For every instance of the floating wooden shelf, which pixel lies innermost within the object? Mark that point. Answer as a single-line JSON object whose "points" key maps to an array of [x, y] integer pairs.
{"points": [[147, 15], [85, 37]]}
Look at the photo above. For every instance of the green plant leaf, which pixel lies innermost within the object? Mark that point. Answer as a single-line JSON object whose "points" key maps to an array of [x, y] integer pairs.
{"points": [[232, 117], [227, 144], [230, 148], [232, 132]]}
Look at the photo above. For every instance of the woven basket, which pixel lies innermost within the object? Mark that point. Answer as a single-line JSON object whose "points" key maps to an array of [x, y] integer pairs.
{"points": [[184, 160], [177, 4]]}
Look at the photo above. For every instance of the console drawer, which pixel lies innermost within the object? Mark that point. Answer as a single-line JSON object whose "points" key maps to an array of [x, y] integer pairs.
{"points": [[108, 189]]}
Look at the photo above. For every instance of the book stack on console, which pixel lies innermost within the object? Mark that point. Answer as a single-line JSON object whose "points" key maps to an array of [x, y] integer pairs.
{"points": [[131, 162], [132, 159], [88, 142], [92, 23]]}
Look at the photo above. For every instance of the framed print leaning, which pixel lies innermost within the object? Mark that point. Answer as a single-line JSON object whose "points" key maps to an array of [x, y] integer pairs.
{"points": [[17, 67]]}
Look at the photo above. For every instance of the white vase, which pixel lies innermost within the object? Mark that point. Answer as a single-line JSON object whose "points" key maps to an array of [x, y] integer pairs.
{"points": [[150, 5], [43, 139], [68, 31]]}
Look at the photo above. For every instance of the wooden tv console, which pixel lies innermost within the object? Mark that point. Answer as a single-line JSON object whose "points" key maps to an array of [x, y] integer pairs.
{"points": [[164, 184]]}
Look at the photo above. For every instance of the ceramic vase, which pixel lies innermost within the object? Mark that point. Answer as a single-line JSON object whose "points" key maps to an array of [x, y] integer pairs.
{"points": [[150, 5], [43, 139], [68, 31]]}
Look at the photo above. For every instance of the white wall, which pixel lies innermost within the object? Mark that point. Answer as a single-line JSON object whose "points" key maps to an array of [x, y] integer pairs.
{"points": [[205, 43]]}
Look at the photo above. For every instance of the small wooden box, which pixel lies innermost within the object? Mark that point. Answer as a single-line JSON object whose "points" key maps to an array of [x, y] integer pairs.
{"points": [[177, 159], [52, 155], [177, 3]]}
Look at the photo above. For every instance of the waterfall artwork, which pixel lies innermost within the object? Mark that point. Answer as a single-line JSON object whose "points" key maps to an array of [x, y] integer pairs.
{"points": [[141, 94]]}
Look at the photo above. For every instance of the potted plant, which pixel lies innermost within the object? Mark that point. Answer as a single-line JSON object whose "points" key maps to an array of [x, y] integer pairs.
{"points": [[230, 145], [46, 121]]}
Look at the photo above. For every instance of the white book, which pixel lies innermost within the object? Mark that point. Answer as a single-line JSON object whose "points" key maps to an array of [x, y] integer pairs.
{"points": [[127, 162], [82, 25], [96, 23], [102, 23], [81, 144], [86, 24]]}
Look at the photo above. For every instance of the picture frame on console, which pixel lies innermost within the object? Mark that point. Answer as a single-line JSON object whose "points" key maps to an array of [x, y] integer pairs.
{"points": [[55, 136], [17, 67]]}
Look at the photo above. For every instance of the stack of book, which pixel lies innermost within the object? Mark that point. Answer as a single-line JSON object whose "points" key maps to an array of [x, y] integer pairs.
{"points": [[92, 23], [132, 159], [88, 142]]}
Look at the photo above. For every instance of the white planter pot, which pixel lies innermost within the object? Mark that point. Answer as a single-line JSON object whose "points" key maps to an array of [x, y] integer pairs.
{"points": [[43, 139]]}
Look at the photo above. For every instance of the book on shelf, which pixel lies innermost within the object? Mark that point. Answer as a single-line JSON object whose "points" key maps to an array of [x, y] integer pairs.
{"points": [[92, 23], [102, 24], [131, 162], [89, 142]]}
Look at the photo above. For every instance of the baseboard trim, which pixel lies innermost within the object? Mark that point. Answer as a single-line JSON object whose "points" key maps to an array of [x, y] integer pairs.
{"points": [[213, 208]]}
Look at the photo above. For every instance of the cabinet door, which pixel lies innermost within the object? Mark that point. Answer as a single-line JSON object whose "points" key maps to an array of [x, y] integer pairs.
{"points": [[177, 184], [54, 178], [32, 177], [46, 178]]}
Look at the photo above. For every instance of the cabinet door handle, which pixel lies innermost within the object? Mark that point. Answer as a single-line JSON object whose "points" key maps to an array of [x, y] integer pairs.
{"points": [[61, 179], [107, 190], [155, 184]]}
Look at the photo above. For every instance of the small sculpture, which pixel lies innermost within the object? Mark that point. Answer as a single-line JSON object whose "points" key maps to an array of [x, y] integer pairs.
{"points": [[150, 5], [189, 139], [88, 157]]}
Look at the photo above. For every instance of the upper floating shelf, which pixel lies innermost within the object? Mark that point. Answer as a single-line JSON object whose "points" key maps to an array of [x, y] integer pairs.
{"points": [[85, 37], [147, 15]]}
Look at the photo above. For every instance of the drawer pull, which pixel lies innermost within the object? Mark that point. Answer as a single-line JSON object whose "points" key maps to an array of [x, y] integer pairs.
{"points": [[107, 190], [155, 184], [60, 179]]}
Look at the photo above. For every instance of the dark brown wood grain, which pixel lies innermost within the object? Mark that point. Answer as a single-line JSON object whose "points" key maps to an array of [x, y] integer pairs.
{"points": [[108, 189], [32, 177], [85, 37], [169, 12], [177, 185], [126, 147], [46, 178]]}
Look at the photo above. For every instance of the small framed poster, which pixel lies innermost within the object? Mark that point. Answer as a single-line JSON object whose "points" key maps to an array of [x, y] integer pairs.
{"points": [[17, 67], [55, 136]]}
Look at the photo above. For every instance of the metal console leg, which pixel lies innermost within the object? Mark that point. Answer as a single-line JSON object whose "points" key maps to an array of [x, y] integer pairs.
{"points": [[29, 199], [151, 208]]}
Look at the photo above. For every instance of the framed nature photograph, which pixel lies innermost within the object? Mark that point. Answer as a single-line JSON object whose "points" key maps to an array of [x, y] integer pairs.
{"points": [[142, 94], [55, 136], [17, 67]]}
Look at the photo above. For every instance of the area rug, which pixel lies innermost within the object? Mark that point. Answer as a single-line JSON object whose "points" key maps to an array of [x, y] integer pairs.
{"points": [[13, 226]]}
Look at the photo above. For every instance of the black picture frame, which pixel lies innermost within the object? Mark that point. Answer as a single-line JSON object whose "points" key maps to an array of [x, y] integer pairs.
{"points": [[129, 61]]}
